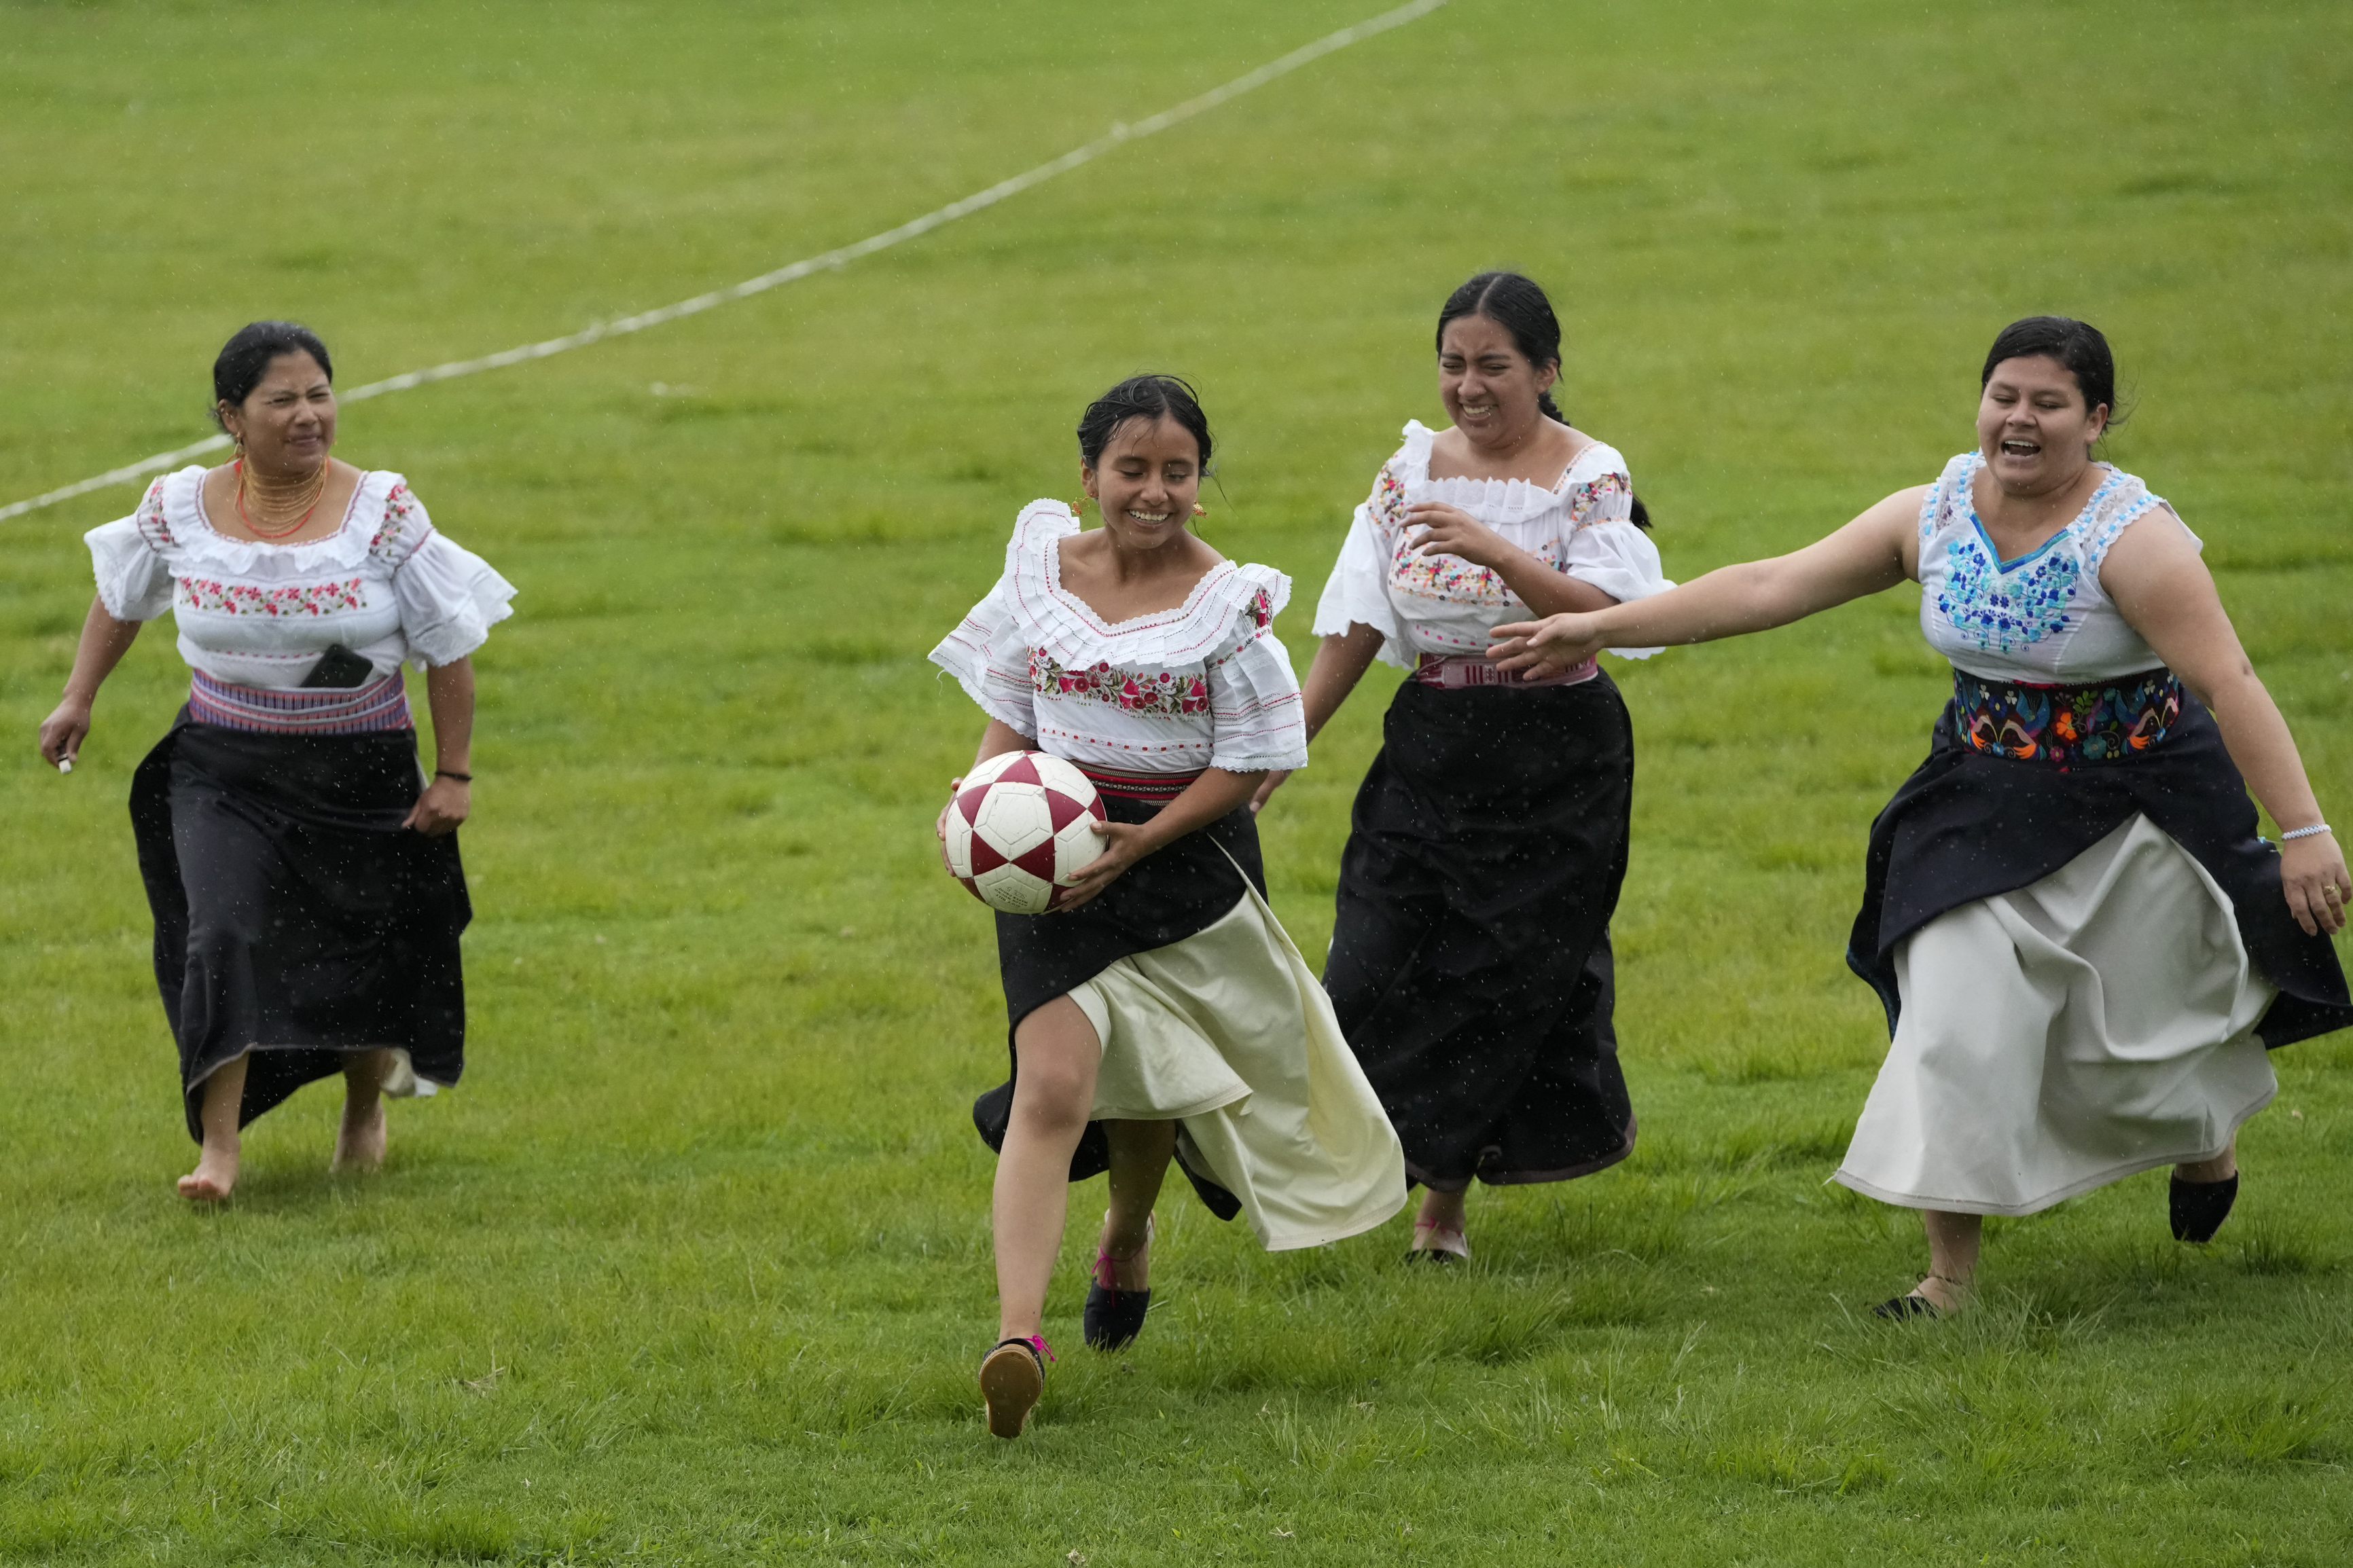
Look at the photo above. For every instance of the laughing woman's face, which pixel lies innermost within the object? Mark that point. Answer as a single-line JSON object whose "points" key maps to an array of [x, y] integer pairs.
{"points": [[2032, 426]]}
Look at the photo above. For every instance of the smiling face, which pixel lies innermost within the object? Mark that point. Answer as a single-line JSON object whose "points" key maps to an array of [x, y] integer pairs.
{"points": [[287, 423], [1145, 481], [1489, 387], [2032, 426]]}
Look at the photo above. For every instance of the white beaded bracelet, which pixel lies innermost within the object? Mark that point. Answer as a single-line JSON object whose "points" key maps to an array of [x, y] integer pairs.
{"points": [[2304, 832]]}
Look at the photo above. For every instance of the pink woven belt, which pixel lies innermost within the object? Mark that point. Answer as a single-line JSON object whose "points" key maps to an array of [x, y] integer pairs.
{"points": [[380, 704], [1459, 671]]}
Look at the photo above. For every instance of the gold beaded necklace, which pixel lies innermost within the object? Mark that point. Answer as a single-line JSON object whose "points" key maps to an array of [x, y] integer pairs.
{"points": [[307, 496]]}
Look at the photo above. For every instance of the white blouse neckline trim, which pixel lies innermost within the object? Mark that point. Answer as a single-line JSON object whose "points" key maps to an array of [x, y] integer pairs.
{"points": [[1503, 499], [1966, 492], [1176, 614], [186, 511]]}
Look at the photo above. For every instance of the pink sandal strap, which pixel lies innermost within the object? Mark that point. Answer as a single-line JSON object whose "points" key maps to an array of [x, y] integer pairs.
{"points": [[1105, 1276]]}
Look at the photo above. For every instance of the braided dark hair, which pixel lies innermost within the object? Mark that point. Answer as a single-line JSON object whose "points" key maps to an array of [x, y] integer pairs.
{"points": [[244, 359], [2078, 345], [1145, 397], [1516, 303]]}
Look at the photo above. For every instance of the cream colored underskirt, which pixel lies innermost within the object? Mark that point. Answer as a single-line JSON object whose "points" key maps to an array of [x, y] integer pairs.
{"points": [[1229, 1034], [2052, 1040]]}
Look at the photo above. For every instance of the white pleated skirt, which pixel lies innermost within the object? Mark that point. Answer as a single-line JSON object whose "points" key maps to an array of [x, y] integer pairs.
{"points": [[1228, 1034], [2097, 1023]]}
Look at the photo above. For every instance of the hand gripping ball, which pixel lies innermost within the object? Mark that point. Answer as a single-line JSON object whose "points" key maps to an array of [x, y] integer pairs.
{"points": [[1018, 829]]}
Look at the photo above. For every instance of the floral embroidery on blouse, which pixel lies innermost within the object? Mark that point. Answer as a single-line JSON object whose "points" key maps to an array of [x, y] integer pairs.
{"points": [[244, 599], [153, 526], [1261, 609], [399, 535], [1999, 611], [1166, 695]]}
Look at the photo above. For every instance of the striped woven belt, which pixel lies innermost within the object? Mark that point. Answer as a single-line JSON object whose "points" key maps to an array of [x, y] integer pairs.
{"points": [[2067, 726], [1158, 788], [381, 704], [1458, 671]]}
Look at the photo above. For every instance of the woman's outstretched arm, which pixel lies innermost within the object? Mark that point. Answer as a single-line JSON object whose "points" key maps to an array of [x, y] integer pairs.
{"points": [[1875, 551], [104, 641], [2163, 589]]}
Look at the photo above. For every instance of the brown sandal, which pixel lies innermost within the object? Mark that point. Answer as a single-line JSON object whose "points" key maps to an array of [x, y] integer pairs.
{"points": [[1012, 1377]]}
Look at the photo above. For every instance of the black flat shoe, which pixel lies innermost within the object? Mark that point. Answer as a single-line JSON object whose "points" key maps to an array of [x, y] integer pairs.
{"points": [[2201, 1208], [1902, 1309], [1113, 1318]]}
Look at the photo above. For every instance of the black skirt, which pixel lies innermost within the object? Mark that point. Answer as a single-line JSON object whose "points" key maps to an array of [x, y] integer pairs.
{"points": [[1180, 891], [1470, 962], [294, 915], [1969, 824]]}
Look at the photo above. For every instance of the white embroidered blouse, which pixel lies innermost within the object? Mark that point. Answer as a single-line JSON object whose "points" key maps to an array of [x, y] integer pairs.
{"points": [[1207, 684], [1443, 604], [2043, 616], [385, 584]]}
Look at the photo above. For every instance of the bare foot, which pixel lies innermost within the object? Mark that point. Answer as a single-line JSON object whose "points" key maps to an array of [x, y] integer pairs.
{"points": [[214, 1177], [359, 1141]]}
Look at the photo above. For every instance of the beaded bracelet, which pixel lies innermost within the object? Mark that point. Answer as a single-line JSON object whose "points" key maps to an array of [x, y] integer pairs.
{"points": [[2304, 832]]}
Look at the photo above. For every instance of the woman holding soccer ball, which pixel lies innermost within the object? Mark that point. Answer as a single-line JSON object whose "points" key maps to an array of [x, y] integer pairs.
{"points": [[1158, 1010], [1470, 961], [2084, 946]]}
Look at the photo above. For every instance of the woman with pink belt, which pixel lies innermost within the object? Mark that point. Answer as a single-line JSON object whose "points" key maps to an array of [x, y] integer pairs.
{"points": [[303, 871], [1470, 962]]}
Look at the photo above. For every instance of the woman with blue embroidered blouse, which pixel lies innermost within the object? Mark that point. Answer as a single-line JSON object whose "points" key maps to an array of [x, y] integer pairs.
{"points": [[1161, 1012], [2084, 947], [302, 873]]}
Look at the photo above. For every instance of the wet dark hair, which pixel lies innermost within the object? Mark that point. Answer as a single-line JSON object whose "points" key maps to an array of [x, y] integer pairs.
{"points": [[1516, 303], [2076, 344], [244, 359], [1145, 397]]}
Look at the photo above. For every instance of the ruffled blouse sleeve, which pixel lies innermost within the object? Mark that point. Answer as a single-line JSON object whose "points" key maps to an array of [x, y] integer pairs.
{"points": [[449, 597], [987, 652], [1256, 719], [1357, 594], [1606, 548], [128, 555]]}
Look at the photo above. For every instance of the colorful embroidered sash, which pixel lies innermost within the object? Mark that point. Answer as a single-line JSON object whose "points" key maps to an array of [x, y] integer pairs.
{"points": [[381, 704], [2068, 726], [1158, 788], [1456, 671]]}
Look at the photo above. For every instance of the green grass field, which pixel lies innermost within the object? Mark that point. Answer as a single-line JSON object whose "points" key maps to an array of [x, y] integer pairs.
{"points": [[694, 1268]]}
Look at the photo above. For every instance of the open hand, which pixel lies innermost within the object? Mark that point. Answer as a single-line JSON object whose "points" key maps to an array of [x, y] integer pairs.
{"points": [[1450, 531], [442, 806], [1553, 646], [62, 733], [2313, 874], [1124, 843]]}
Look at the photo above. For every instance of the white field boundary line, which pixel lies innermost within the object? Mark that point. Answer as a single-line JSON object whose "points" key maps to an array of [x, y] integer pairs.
{"points": [[831, 261]]}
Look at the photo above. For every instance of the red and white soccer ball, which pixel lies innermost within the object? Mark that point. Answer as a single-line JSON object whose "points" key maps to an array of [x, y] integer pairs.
{"points": [[1020, 827]]}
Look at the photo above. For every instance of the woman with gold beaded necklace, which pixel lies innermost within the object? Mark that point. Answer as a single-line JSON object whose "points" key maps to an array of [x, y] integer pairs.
{"points": [[303, 875]]}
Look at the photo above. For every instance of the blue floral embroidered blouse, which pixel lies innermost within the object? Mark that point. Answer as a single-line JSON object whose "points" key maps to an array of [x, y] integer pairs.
{"points": [[2043, 616]]}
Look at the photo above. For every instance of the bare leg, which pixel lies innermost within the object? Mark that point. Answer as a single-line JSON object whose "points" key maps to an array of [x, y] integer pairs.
{"points": [[1952, 1258], [215, 1172], [1052, 1093], [1140, 1151], [359, 1141], [1439, 1226], [2220, 1168]]}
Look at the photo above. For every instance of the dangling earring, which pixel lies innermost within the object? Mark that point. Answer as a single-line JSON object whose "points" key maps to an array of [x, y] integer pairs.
{"points": [[1078, 507], [1200, 511]]}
